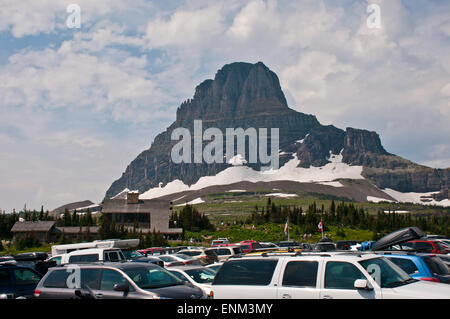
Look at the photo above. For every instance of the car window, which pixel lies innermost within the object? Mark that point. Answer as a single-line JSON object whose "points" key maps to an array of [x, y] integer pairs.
{"points": [[113, 256], [5, 278], [385, 273], [300, 274], [246, 247], [256, 246], [90, 278], [110, 278], [341, 275], [423, 246], [56, 279], [57, 260], [179, 275], [406, 264], [223, 251], [237, 250], [201, 275], [246, 272], [83, 258], [437, 266], [210, 253], [26, 277]]}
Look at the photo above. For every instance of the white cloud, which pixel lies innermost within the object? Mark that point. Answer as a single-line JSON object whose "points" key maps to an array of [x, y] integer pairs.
{"points": [[185, 28]]}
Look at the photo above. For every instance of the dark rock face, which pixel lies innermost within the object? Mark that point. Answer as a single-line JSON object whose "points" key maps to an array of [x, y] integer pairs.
{"points": [[244, 95]]}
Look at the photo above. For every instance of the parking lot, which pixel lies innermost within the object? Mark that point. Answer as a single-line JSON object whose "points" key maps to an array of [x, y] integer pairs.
{"points": [[404, 264]]}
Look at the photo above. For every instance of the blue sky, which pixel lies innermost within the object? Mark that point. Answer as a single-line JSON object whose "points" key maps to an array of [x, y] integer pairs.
{"points": [[77, 105]]}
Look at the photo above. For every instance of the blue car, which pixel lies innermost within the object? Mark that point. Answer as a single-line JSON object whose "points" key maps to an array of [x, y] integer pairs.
{"points": [[427, 267], [17, 281]]}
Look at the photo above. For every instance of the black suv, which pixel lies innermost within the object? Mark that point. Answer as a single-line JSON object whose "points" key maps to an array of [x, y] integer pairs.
{"points": [[123, 280], [17, 281]]}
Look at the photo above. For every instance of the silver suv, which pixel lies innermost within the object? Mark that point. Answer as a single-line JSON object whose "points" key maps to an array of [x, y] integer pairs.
{"points": [[114, 281]]}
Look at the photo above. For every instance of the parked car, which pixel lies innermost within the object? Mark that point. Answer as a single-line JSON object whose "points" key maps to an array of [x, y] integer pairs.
{"points": [[320, 276], [288, 244], [421, 266], [220, 241], [170, 261], [268, 245], [224, 253], [249, 245], [215, 266], [346, 244], [205, 256], [17, 281], [199, 276], [114, 281], [427, 246], [324, 246], [445, 259], [35, 260], [185, 259], [444, 243]]}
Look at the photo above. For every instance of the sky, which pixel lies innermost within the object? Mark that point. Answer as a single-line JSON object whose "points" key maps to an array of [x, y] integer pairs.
{"points": [[77, 105]]}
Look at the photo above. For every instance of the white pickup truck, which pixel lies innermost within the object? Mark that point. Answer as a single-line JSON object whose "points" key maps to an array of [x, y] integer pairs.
{"points": [[320, 276]]}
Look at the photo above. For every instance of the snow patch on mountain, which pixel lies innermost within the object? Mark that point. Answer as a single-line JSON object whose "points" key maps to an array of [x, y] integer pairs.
{"points": [[288, 172], [417, 198]]}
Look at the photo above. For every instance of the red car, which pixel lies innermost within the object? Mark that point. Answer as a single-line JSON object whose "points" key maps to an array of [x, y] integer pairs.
{"points": [[427, 246], [249, 245]]}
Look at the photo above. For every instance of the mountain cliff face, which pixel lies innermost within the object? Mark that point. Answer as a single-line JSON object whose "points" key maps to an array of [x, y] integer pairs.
{"points": [[244, 95]]}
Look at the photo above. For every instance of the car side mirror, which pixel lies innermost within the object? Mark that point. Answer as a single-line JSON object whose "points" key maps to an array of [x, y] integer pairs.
{"points": [[123, 286], [362, 284]]}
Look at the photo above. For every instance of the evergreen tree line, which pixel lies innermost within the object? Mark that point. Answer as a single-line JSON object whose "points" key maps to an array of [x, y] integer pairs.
{"points": [[346, 215], [108, 229], [190, 219], [76, 219]]}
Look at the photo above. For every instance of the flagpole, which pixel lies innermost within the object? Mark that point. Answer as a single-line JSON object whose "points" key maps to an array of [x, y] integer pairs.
{"points": [[288, 227]]}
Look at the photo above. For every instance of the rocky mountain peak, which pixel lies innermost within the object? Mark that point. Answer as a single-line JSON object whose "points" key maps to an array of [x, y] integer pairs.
{"points": [[238, 90]]}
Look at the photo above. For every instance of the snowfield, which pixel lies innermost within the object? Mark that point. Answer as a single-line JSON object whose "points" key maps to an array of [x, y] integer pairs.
{"points": [[417, 198], [193, 202], [289, 172]]}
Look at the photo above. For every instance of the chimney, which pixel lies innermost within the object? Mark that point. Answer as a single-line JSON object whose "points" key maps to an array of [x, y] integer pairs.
{"points": [[133, 197]]}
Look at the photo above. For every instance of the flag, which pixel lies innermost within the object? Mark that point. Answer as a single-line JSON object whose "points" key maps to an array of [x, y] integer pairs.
{"points": [[286, 227], [320, 226]]}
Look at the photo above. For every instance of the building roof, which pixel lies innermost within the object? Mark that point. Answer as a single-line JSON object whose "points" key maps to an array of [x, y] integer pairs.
{"points": [[144, 206], [71, 206], [76, 230], [37, 226]]}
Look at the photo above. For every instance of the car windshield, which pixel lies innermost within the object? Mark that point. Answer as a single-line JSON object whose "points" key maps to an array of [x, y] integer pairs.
{"points": [[132, 254], [201, 275], [385, 273], [152, 277], [167, 259]]}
